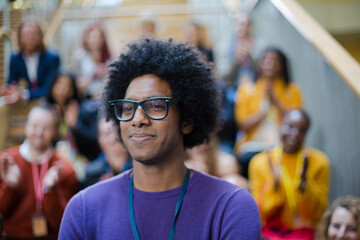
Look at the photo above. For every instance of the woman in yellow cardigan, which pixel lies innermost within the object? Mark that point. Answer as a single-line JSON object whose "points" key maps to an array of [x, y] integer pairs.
{"points": [[260, 106]]}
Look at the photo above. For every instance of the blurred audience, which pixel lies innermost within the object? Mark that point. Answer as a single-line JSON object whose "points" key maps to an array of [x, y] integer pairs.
{"points": [[341, 220], [90, 61], [242, 66], [260, 107], [195, 35], [113, 159], [148, 26], [62, 93], [63, 96], [35, 183], [30, 72], [290, 183], [208, 158]]}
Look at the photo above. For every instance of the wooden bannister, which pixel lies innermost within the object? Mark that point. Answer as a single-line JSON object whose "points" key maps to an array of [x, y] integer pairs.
{"points": [[336, 56]]}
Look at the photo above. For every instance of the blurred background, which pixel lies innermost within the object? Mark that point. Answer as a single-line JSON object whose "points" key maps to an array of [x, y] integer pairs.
{"points": [[321, 39]]}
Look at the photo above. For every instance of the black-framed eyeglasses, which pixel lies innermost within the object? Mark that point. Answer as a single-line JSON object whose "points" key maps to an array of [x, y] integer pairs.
{"points": [[156, 108]]}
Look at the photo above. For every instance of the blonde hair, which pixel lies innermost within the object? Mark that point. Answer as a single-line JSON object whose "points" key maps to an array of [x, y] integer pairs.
{"points": [[350, 203]]}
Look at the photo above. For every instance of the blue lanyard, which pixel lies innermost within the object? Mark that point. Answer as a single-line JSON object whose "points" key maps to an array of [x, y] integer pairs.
{"points": [[178, 206]]}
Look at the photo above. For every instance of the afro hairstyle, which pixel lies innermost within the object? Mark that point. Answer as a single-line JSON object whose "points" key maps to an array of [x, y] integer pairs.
{"points": [[191, 80]]}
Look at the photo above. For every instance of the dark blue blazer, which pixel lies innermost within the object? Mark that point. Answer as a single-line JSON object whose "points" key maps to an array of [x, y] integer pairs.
{"points": [[49, 64]]}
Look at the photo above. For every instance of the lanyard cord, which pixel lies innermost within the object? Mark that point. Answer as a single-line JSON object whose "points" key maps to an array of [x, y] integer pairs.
{"points": [[178, 206], [290, 184], [37, 181]]}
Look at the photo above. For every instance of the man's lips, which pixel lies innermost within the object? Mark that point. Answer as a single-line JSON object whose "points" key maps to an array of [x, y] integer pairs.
{"points": [[139, 137], [291, 140]]}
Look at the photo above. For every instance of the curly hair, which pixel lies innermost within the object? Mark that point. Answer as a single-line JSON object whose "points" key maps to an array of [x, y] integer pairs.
{"points": [[350, 203], [191, 81]]}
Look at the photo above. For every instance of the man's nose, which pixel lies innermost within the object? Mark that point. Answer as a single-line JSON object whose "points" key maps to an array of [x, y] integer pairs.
{"points": [[39, 131], [294, 131], [140, 117]]}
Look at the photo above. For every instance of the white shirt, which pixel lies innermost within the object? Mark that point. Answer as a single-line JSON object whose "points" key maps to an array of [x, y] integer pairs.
{"points": [[32, 63], [24, 150]]}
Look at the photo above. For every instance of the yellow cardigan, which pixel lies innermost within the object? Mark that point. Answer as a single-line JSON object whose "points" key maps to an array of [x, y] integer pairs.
{"points": [[250, 96], [309, 205]]}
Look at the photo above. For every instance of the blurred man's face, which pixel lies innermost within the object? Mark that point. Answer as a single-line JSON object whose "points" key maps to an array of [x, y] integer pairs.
{"points": [[108, 136], [293, 131], [30, 38], [40, 129]]}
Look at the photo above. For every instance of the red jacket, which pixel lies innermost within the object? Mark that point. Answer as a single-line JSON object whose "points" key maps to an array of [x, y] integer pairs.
{"points": [[18, 205]]}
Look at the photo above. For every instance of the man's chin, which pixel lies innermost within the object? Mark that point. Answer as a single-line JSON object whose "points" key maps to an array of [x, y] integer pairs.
{"points": [[40, 147], [291, 149]]}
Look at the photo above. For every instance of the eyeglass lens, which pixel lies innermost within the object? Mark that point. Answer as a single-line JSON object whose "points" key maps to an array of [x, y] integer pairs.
{"points": [[154, 108]]}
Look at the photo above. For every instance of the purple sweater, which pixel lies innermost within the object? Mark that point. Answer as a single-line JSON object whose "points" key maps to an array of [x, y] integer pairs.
{"points": [[212, 209]]}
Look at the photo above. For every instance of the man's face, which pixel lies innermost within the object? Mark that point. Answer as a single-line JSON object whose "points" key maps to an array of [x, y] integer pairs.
{"points": [[151, 141], [293, 131], [40, 129], [30, 38]]}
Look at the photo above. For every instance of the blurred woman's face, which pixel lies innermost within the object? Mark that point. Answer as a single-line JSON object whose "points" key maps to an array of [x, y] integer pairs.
{"points": [[62, 90], [270, 65], [95, 40], [30, 38], [342, 225]]}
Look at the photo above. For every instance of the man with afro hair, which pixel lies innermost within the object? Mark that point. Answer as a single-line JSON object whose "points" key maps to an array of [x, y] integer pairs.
{"points": [[163, 98]]}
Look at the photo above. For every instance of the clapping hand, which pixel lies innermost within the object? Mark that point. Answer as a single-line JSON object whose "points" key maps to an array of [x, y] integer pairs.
{"points": [[303, 182], [276, 170], [72, 114], [11, 94], [10, 171], [52, 176]]}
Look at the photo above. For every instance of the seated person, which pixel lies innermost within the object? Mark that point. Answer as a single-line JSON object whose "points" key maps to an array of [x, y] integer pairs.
{"points": [[241, 52], [89, 61], [30, 72], [290, 182], [260, 107], [63, 96], [341, 220], [196, 35], [35, 183], [208, 158], [113, 159], [62, 93]]}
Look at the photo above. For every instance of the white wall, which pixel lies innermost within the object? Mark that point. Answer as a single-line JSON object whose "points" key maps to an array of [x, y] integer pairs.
{"points": [[338, 17]]}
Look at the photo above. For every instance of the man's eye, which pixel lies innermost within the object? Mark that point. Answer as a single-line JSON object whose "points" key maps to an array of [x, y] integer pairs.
{"points": [[127, 108], [157, 106]]}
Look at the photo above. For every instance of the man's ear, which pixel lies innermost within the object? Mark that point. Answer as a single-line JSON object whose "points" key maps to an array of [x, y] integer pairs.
{"points": [[187, 127]]}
